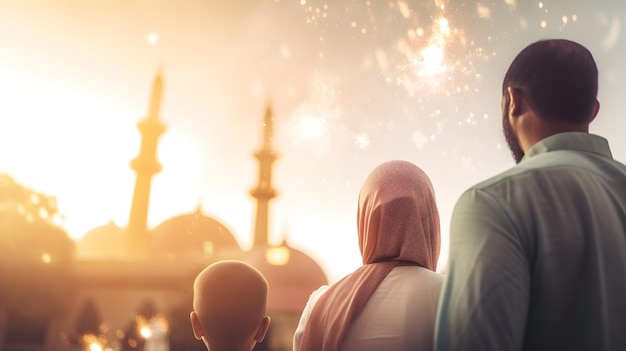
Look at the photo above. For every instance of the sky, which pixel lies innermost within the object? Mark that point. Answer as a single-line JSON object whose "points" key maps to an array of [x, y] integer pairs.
{"points": [[351, 83]]}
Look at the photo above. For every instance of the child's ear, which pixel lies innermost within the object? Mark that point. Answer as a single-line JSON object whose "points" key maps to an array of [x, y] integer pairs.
{"points": [[196, 326], [262, 329]]}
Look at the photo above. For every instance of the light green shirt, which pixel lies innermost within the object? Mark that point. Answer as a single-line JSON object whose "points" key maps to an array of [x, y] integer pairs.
{"points": [[538, 254]]}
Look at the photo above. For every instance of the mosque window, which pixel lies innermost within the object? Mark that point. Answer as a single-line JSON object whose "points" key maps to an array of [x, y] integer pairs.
{"points": [[208, 248], [277, 256]]}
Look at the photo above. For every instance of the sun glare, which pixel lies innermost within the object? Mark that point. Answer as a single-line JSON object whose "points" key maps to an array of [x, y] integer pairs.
{"points": [[310, 127], [68, 124]]}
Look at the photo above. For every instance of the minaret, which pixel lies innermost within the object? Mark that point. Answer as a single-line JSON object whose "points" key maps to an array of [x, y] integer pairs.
{"points": [[263, 193], [145, 165]]}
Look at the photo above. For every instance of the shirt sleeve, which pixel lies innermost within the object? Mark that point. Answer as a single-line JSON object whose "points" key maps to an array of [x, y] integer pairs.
{"points": [[484, 300]]}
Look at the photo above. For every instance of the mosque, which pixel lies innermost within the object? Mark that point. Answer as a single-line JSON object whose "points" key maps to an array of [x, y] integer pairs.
{"points": [[131, 288]]}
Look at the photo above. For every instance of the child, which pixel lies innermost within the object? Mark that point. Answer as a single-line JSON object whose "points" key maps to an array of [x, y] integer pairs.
{"points": [[229, 306]]}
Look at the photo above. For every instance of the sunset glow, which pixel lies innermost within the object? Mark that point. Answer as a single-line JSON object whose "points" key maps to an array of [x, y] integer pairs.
{"points": [[310, 127], [352, 84]]}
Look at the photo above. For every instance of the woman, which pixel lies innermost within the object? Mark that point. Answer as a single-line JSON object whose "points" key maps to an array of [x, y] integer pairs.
{"points": [[390, 303]]}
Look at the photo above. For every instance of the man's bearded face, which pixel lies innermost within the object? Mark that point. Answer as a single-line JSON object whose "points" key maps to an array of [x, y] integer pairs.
{"points": [[509, 135]]}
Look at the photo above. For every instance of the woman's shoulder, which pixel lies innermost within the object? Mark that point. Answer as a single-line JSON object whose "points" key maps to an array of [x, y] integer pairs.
{"points": [[316, 294], [319, 292], [416, 272], [414, 277]]}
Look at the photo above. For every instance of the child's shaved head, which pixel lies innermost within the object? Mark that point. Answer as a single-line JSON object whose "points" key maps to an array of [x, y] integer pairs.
{"points": [[229, 306]]}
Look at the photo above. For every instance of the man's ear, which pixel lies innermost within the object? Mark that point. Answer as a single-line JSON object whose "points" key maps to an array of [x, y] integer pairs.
{"points": [[262, 329], [196, 326], [596, 108], [515, 102]]}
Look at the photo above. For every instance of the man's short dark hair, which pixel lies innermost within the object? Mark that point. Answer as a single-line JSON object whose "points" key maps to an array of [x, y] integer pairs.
{"points": [[558, 78]]}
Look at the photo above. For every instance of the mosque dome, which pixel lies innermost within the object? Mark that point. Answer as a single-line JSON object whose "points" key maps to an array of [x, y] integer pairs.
{"points": [[106, 241], [292, 276], [194, 235]]}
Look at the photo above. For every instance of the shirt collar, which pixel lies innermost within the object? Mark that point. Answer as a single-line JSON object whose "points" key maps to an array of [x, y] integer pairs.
{"points": [[574, 141]]}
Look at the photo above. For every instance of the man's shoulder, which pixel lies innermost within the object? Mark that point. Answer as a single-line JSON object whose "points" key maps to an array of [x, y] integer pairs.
{"points": [[509, 175], [550, 168], [550, 162]]}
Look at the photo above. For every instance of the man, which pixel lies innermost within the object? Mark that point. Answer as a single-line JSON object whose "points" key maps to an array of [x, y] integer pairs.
{"points": [[229, 306], [538, 253]]}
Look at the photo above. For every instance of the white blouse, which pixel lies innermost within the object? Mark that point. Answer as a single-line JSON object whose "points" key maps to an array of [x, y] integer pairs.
{"points": [[400, 314]]}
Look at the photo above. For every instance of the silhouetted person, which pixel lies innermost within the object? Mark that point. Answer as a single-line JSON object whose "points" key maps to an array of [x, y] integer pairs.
{"points": [[538, 253], [229, 306], [389, 303]]}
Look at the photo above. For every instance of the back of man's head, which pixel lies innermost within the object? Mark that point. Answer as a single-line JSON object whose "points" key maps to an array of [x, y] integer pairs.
{"points": [[230, 304], [558, 78]]}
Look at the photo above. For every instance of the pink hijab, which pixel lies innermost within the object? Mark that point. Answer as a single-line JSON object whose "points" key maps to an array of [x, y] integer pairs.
{"points": [[398, 223]]}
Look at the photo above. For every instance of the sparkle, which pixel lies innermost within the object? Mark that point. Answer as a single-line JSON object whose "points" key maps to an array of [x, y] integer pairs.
{"points": [[381, 58], [483, 11], [431, 63], [145, 332], [419, 139], [404, 9], [362, 140], [431, 57], [95, 347], [523, 23], [312, 121]]}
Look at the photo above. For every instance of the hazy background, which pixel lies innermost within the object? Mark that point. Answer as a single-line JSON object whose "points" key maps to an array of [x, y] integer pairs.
{"points": [[352, 84]]}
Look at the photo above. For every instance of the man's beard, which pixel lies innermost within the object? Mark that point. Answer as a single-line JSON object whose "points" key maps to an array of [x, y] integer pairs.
{"points": [[511, 138]]}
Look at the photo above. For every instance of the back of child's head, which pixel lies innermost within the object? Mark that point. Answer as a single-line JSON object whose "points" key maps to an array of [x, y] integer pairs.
{"points": [[229, 303]]}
